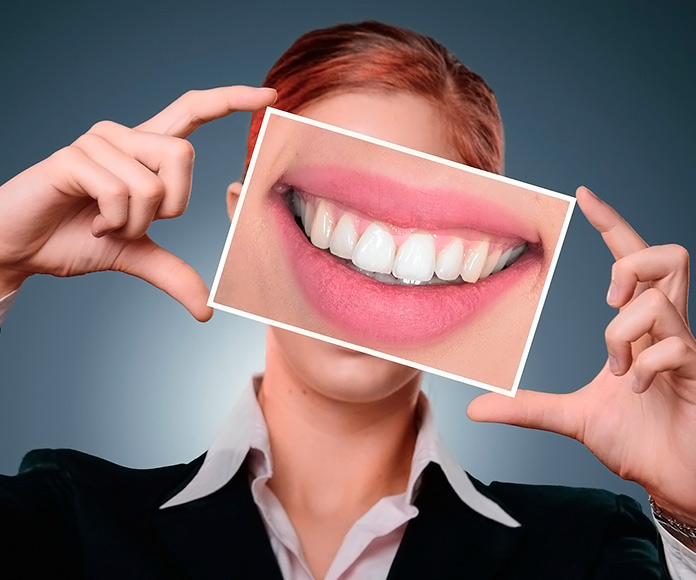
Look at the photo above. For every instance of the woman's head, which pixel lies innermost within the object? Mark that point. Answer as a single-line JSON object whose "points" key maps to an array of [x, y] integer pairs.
{"points": [[375, 57], [394, 85]]}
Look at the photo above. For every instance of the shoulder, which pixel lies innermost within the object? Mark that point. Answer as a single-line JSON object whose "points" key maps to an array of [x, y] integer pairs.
{"points": [[543, 503], [83, 475]]}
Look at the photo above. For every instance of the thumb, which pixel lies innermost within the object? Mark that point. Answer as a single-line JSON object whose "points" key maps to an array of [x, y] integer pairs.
{"points": [[531, 409], [145, 259]]}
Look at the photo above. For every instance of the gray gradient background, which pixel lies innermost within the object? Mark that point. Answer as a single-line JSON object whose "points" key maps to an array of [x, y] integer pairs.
{"points": [[595, 93]]}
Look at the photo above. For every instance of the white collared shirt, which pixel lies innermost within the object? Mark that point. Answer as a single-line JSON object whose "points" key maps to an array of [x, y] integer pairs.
{"points": [[371, 544]]}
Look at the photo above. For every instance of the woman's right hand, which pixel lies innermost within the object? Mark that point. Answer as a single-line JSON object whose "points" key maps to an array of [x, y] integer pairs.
{"points": [[87, 207]]}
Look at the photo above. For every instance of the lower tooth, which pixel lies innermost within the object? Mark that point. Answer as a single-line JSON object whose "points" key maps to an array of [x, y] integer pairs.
{"points": [[389, 279]]}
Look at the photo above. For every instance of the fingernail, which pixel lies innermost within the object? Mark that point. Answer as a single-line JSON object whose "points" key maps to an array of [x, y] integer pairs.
{"points": [[635, 384], [612, 293], [270, 89], [588, 190], [613, 365]]}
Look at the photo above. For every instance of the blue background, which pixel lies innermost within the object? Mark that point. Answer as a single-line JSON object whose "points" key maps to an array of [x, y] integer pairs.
{"points": [[593, 92]]}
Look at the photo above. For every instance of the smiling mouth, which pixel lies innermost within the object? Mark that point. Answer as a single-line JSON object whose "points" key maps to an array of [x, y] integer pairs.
{"points": [[386, 265], [397, 255]]}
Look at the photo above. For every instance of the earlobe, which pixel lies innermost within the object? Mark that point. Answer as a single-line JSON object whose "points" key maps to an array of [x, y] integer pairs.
{"points": [[233, 191]]}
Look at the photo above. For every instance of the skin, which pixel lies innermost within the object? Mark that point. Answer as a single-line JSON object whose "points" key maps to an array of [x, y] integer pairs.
{"points": [[88, 207]]}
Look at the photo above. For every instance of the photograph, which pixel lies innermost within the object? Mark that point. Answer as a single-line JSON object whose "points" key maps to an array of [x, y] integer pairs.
{"points": [[446, 267]]}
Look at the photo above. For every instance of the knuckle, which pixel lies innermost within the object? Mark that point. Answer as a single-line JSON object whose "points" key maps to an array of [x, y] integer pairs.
{"points": [[67, 156], [182, 150], [114, 190], [189, 101], [677, 346], [654, 298], [88, 141], [152, 190], [681, 254], [191, 94], [172, 210], [612, 334], [102, 127]]}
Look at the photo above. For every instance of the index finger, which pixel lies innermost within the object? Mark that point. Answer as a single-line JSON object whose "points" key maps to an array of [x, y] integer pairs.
{"points": [[194, 108], [618, 235]]}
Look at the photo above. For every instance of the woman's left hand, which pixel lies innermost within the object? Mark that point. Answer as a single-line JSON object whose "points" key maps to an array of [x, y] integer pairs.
{"points": [[638, 415]]}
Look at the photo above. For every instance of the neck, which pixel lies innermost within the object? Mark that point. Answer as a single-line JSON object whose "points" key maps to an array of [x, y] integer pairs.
{"points": [[334, 456]]}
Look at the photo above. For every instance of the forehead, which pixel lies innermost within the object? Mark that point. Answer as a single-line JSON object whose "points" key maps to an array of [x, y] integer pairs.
{"points": [[402, 118]]}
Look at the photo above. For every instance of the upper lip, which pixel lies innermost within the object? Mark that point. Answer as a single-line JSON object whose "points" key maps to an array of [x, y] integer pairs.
{"points": [[410, 207]]}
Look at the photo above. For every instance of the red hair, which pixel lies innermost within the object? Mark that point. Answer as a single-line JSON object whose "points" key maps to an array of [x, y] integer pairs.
{"points": [[378, 57]]}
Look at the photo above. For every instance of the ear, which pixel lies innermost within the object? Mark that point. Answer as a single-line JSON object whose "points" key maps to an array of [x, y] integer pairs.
{"points": [[233, 191]]}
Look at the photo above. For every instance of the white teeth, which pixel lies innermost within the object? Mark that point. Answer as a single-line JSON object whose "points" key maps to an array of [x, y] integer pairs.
{"points": [[415, 262], [322, 226], [344, 237], [308, 217], [415, 259], [375, 250], [474, 261], [491, 261], [516, 253], [502, 260], [449, 261]]}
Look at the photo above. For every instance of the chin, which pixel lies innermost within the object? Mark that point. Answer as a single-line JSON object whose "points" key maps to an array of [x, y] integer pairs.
{"points": [[342, 374]]}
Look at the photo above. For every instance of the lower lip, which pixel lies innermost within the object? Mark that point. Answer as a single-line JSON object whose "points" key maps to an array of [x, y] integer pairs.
{"points": [[378, 314]]}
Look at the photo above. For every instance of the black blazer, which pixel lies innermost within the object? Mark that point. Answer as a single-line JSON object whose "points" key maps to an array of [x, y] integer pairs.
{"points": [[70, 515]]}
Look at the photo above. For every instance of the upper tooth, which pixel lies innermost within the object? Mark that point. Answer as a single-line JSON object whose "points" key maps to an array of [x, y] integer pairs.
{"points": [[296, 204], [516, 253], [308, 218], [474, 261], [344, 237], [415, 259], [375, 250], [502, 260], [322, 226], [449, 261], [491, 261]]}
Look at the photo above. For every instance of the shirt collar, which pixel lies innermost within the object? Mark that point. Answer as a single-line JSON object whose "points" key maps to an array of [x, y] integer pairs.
{"points": [[245, 429]]}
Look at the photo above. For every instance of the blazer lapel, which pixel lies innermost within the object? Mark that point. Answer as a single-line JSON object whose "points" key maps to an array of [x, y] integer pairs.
{"points": [[221, 535], [450, 540]]}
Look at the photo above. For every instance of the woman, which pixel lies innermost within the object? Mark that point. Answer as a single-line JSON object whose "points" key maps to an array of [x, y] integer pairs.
{"points": [[358, 485]]}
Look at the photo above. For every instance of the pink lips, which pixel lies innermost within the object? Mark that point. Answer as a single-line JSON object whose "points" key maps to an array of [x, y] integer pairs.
{"points": [[385, 199], [378, 314]]}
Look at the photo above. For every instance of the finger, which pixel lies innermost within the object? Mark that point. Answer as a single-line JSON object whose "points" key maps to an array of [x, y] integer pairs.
{"points": [[620, 238], [73, 172], [146, 260], [170, 158], [652, 314], [531, 409], [672, 354], [145, 189], [655, 264], [194, 108]]}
